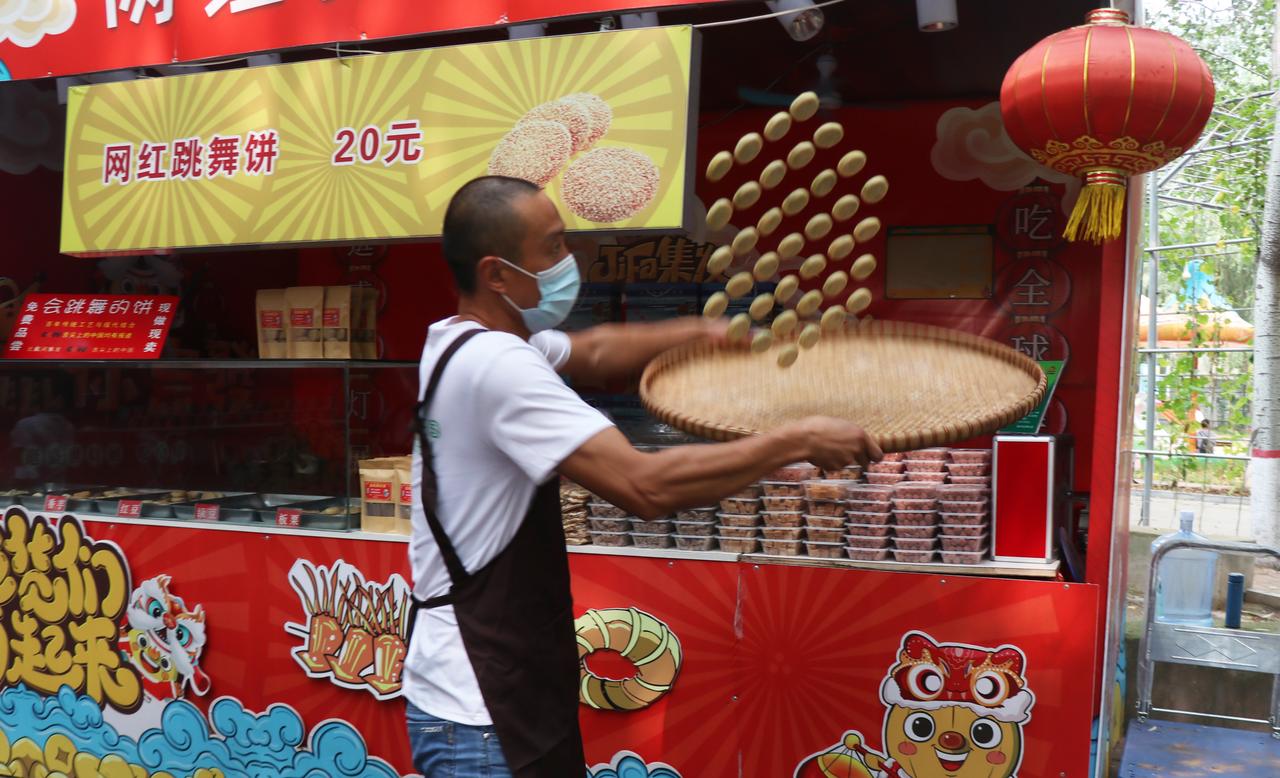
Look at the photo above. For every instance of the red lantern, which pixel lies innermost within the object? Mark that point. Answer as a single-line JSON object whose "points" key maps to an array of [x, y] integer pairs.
{"points": [[1105, 101]]}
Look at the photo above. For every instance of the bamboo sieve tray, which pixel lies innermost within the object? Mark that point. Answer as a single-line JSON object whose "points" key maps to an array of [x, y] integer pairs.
{"points": [[909, 385]]}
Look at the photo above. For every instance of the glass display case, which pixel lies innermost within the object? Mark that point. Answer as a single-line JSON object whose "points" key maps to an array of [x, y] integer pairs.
{"points": [[168, 439]]}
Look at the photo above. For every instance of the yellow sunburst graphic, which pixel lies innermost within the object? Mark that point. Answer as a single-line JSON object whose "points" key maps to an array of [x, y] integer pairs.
{"points": [[479, 93], [146, 214]]}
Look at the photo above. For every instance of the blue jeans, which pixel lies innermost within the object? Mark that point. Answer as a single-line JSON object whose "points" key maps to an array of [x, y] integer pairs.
{"points": [[443, 749]]}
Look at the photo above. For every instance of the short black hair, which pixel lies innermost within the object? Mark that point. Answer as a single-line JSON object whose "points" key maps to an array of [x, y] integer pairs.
{"points": [[481, 221]]}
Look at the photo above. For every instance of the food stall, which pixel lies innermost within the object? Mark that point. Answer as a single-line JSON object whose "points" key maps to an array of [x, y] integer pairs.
{"points": [[204, 564]]}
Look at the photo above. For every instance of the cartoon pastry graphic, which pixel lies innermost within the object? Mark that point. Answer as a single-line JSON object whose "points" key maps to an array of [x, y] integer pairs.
{"points": [[164, 640], [953, 711]]}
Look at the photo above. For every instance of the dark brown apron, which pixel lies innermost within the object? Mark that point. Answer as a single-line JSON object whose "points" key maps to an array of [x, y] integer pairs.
{"points": [[516, 619]]}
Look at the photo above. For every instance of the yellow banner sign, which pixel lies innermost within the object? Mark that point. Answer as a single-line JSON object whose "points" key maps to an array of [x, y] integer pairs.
{"points": [[373, 147]]}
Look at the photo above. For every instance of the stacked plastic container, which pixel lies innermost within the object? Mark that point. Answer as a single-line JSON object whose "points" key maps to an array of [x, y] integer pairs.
{"points": [[612, 526], [826, 503], [695, 529], [738, 530], [870, 521], [785, 506], [965, 507]]}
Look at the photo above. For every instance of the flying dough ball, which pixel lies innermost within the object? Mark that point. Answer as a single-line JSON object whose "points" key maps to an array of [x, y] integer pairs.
{"points": [[828, 135], [863, 266], [790, 246], [852, 163], [739, 326], [747, 195], [719, 166], [786, 288], [778, 125], [761, 306], [773, 173], [875, 189], [823, 183], [762, 341], [818, 227], [785, 323], [813, 266], [867, 229], [744, 241], [795, 202], [841, 247], [716, 305], [809, 335], [835, 283], [769, 221], [719, 261], [805, 106], [800, 155], [859, 301], [787, 355], [740, 284], [748, 147], [833, 318], [766, 266], [845, 208], [809, 303], [719, 214]]}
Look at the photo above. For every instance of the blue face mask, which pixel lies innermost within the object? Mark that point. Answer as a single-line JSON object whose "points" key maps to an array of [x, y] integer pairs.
{"points": [[558, 287]]}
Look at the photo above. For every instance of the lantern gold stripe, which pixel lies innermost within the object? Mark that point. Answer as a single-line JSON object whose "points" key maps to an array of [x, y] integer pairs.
{"points": [[1173, 90], [1044, 93], [1133, 79], [1088, 41]]}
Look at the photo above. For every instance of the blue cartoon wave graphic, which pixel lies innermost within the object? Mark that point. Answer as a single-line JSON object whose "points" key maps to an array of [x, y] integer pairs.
{"points": [[240, 742], [628, 765]]}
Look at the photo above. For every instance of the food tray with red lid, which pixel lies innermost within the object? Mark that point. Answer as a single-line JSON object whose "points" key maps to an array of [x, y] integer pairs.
{"points": [[783, 503], [796, 472], [963, 506], [913, 557], [697, 514], [825, 534], [870, 506], [881, 530], [604, 510], [609, 525], [824, 550], [850, 473], [968, 519], [896, 456], [739, 545], [829, 522], [915, 544], [783, 518], [886, 467], [965, 492], [826, 507], [738, 532], [649, 540], [963, 530], [914, 518], [911, 490], [919, 532], [885, 479], [695, 542], [740, 506], [969, 468], [869, 517], [781, 547], [871, 492], [971, 455], [915, 505], [702, 529], [963, 543], [828, 490], [964, 557], [611, 538], [782, 488], [739, 519], [972, 480], [866, 541], [938, 454], [933, 478], [654, 527], [926, 466], [783, 533], [867, 554]]}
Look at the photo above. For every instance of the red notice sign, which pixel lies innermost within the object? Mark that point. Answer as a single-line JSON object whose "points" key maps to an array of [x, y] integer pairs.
{"points": [[109, 326]]}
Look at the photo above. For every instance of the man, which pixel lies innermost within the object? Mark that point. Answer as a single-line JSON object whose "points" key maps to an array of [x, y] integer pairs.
{"points": [[1204, 438], [491, 677]]}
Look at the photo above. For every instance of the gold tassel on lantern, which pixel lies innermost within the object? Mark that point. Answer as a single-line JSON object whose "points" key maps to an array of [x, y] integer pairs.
{"points": [[1099, 211]]}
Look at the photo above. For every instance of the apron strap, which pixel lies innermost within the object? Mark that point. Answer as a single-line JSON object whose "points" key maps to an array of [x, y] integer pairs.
{"points": [[428, 493]]}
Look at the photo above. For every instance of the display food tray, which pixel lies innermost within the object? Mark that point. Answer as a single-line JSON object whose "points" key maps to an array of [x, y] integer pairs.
{"points": [[250, 507]]}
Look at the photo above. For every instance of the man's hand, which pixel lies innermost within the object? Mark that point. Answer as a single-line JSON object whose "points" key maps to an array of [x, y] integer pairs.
{"points": [[835, 443]]}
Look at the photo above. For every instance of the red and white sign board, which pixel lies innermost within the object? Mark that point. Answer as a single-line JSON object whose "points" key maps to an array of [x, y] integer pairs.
{"points": [[59, 326]]}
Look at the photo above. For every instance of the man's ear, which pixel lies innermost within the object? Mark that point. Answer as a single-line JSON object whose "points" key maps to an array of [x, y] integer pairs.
{"points": [[490, 276]]}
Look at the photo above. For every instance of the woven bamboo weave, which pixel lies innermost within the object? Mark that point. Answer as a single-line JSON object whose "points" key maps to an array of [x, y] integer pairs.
{"points": [[910, 385]]}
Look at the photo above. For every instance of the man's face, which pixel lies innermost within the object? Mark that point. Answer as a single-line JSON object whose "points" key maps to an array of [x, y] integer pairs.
{"points": [[542, 247]]}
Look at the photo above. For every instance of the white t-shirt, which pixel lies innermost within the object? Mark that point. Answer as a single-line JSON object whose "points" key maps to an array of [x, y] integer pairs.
{"points": [[501, 422]]}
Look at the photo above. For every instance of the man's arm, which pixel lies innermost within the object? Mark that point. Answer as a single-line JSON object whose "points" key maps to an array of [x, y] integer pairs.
{"points": [[653, 485], [611, 351]]}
